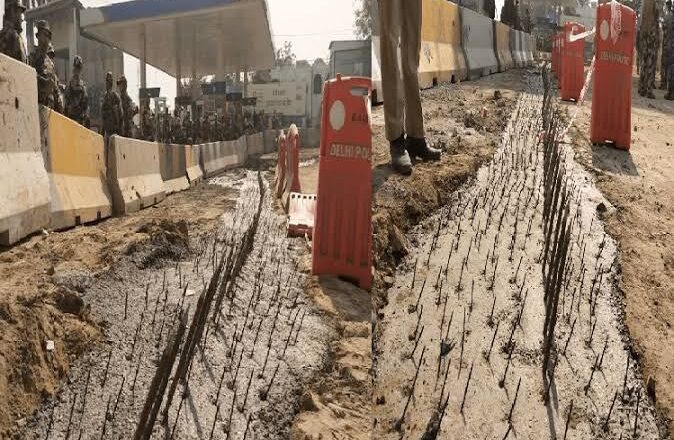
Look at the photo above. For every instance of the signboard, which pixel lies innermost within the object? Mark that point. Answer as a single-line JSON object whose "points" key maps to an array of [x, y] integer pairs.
{"points": [[249, 101], [151, 92], [214, 88], [184, 100], [286, 98]]}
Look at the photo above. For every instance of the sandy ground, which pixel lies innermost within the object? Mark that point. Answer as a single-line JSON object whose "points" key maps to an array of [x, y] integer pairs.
{"points": [[459, 340], [640, 184], [42, 278], [466, 121]]}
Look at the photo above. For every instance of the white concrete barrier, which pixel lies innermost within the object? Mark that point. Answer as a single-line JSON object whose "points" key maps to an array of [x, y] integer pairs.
{"points": [[270, 137], [310, 137], [477, 40], [193, 164], [134, 176], [516, 48], [217, 157], [24, 185], [173, 167], [255, 143], [74, 157]]}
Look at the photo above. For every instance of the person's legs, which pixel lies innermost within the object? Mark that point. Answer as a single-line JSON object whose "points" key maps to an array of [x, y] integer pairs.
{"points": [[389, 25], [410, 47]]}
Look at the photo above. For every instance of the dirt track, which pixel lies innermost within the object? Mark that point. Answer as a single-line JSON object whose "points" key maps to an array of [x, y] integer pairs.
{"points": [[640, 184]]}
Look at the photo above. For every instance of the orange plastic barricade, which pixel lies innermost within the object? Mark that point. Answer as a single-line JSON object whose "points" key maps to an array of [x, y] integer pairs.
{"points": [[279, 184], [301, 214], [612, 91], [573, 65], [343, 228], [292, 165], [555, 42]]}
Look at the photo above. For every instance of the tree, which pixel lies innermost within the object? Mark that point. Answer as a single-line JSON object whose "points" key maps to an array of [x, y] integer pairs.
{"points": [[364, 19], [285, 55], [490, 8], [508, 13]]}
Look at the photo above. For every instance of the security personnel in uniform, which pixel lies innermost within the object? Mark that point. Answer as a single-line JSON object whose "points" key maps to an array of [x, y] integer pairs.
{"points": [[129, 109], [400, 21], [111, 110], [11, 41], [666, 41], [77, 99], [648, 48], [47, 80]]}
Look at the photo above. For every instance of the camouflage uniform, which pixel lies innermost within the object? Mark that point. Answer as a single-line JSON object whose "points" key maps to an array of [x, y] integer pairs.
{"points": [[666, 51], [648, 48], [111, 110], [48, 93], [11, 42], [77, 99], [128, 108]]}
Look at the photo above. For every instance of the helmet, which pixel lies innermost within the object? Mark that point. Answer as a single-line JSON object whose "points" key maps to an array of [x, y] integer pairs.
{"points": [[77, 62], [43, 26], [121, 80], [18, 4]]}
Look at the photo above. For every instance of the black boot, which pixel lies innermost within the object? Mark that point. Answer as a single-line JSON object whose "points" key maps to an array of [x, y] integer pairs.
{"points": [[418, 148], [400, 160]]}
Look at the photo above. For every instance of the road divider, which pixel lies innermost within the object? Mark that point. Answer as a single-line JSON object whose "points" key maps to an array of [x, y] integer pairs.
{"points": [[134, 174], [217, 157], [24, 192], [502, 45], [192, 163], [477, 39], [281, 164], [255, 144], [74, 158], [173, 167], [441, 58]]}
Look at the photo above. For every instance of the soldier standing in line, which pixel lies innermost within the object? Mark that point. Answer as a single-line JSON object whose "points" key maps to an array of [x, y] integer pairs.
{"points": [[129, 109], [648, 48], [670, 74], [47, 80], [77, 99], [11, 41], [111, 110], [666, 51]]}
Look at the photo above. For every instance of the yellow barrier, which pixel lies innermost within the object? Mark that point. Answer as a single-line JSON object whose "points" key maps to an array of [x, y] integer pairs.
{"points": [[133, 174], [441, 57], [24, 186], [75, 161], [502, 35]]}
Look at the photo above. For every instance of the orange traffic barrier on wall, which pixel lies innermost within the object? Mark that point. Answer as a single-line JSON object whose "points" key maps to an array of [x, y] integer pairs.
{"points": [[279, 184], [292, 183], [342, 243], [612, 92], [573, 65]]}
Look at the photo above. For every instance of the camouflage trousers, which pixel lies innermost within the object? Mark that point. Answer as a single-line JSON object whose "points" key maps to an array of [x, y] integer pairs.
{"points": [[648, 61], [664, 61]]}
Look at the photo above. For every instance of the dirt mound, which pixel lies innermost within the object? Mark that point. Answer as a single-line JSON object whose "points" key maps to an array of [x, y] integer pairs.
{"points": [[44, 322]]}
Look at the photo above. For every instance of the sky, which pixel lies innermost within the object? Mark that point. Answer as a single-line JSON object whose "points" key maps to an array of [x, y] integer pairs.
{"points": [[309, 25]]}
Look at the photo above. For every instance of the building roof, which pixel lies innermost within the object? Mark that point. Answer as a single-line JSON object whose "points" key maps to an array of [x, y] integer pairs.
{"points": [[211, 36]]}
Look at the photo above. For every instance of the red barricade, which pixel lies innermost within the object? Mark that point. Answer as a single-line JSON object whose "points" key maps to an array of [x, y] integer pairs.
{"points": [[573, 64], [292, 183], [612, 91], [279, 184], [555, 44], [342, 243]]}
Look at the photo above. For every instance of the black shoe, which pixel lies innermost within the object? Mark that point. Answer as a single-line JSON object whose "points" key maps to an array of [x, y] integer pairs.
{"points": [[400, 160], [669, 96], [418, 148]]}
